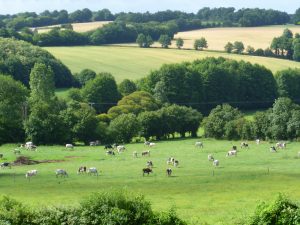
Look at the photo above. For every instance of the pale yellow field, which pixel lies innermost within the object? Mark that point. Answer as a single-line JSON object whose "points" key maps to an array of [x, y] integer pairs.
{"points": [[257, 37], [78, 27]]}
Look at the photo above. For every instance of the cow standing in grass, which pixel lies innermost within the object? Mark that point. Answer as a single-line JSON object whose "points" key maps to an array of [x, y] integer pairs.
{"points": [[216, 163], [199, 144], [169, 172], [61, 173], [92, 170], [81, 170], [147, 171], [5, 165], [146, 153], [30, 174]]}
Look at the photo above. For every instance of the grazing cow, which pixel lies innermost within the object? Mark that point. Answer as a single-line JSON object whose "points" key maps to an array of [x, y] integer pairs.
{"points": [[92, 170], [147, 143], [216, 163], [257, 141], [146, 153], [170, 161], [152, 144], [30, 146], [169, 172], [176, 163], [244, 145], [135, 154], [199, 144], [1, 156], [121, 148], [231, 153], [30, 173], [149, 164], [17, 151], [94, 143], [110, 152], [210, 157], [81, 170], [273, 149], [108, 147], [61, 173], [69, 146], [147, 170], [5, 165], [281, 145]]}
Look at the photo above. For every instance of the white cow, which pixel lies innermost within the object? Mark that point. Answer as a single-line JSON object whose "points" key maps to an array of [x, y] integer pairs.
{"points": [[61, 173], [152, 144], [199, 144], [210, 157], [69, 146], [232, 153], [93, 171], [257, 141], [281, 145], [170, 161], [120, 148], [216, 163], [176, 163], [31, 173]]}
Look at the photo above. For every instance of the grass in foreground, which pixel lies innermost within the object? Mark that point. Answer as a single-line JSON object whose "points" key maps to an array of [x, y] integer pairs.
{"points": [[135, 63], [200, 192]]}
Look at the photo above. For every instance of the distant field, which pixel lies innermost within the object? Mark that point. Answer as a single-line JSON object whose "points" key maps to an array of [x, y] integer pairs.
{"points": [[78, 27], [199, 192], [257, 37], [134, 62]]}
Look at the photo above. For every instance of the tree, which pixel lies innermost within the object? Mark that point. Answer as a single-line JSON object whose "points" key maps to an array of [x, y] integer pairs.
{"points": [[134, 103], [200, 44], [101, 92], [228, 47], [250, 50], [238, 47], [85, 75], [296, 55], [259, 52], [126, 87], [179, 43], [144, 41], [296, 17], [164, 40], [12, 100], [151, 124], [288, 83], [124, 127]]}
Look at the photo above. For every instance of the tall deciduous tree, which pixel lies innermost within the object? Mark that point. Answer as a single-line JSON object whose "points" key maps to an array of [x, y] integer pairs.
{"points": [[200, 44], [179, 43], [228, 47], [164, 40]]}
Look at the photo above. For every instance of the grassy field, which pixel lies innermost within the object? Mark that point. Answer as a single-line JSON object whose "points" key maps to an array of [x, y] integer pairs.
{"points": [[78, 27], [257, 37], [133, 62], [231, 194]]}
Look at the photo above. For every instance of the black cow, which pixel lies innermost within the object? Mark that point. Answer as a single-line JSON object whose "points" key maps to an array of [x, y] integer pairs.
{"points": [[169, 172], [5, 165], [147, 170], [108, 147]]}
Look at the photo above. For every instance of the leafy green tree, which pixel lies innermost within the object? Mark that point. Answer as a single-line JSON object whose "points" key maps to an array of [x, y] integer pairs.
{"points": [[101, 92], [288, 82], [275, 45], [84, 76], [215, 123], [126, 87], [293, 126], [151, 124], [12, 100], [296, 17], [164, 40], [250, 50], [135, 103], [296, 55], [124, 127], [144, 41], [259, 52], [200, 44], [179, 43], [75, 95], [228, 47], [261, 125], [238, 47]]}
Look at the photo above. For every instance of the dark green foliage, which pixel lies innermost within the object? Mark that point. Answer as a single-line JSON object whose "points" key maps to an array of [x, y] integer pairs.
{"points": [[179, 43], [165, 41], [114, 208], [282, 211], [101, 92], [12, 100], [259, 52], [144, 41], [288, 82], [238, 47], [17, 58], [296, 55], [250, 50], [296, 17], [151, 125], [200, 44], [124, 127], [228, 47], [220, 122], [127, 87], [84, 76]]}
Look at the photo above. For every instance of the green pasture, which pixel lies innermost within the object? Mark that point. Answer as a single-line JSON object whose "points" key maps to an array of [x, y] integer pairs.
{"points": [[134, 63], [200, 192]]}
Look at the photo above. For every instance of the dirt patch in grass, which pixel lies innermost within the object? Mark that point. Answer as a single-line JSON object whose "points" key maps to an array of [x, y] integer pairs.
{"points": [[23, 160]]}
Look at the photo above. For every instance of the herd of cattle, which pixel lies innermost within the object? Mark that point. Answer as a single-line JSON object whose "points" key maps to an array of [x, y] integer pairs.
{"points": [[111, 149]]}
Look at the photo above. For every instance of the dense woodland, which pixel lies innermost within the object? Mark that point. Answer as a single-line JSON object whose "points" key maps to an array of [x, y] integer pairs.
{"points": [[170, 101]]}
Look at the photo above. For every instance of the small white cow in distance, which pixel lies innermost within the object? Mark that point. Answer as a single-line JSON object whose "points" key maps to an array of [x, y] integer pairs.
{"points": [[199, 144], [121, 148], [31, 173], [257, 141], [210, 157], [61, 173], [176, 163], [232, 153], [69, 146], [152, 144], [92, 170], [280, 145], [216, 163], [273, 149]]}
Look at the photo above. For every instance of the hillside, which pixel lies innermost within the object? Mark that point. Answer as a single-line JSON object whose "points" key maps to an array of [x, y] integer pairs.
{"points": [[257, 37], [134, 63]]}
